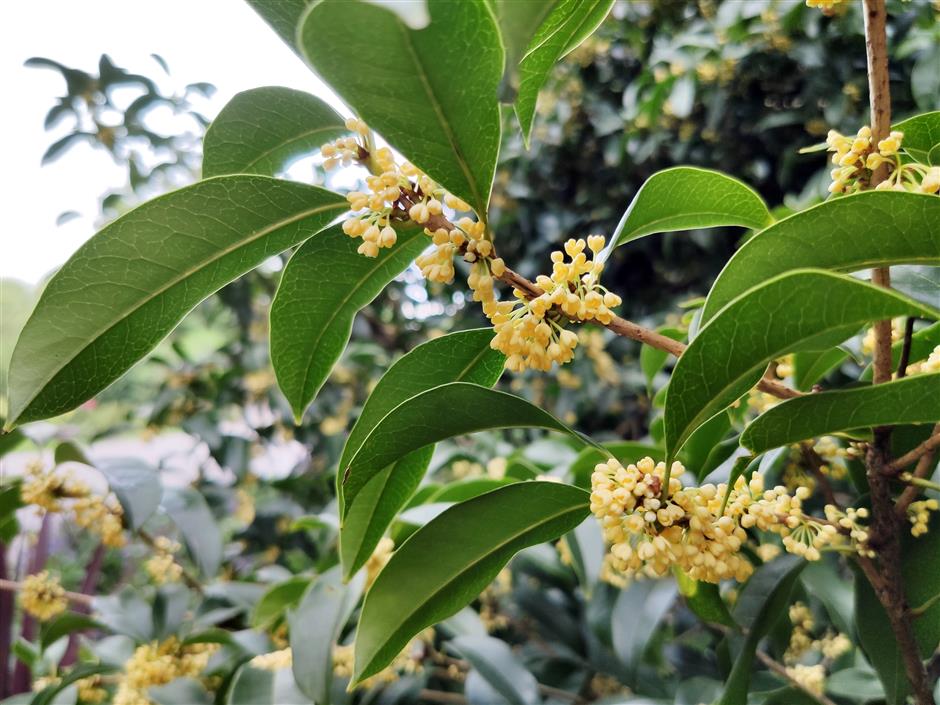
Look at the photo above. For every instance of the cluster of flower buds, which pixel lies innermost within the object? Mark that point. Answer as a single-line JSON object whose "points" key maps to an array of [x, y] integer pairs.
{"points": [[530, 331], [827, 7], [701, 530], [42, 596], [855, 159], [918, 513]]}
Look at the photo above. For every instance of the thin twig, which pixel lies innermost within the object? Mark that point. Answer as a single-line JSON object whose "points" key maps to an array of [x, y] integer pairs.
{"points": [[906, 347], [441, 696], [914, 454], [78, 598], [922, 469], [781, 671], [815, 464]]}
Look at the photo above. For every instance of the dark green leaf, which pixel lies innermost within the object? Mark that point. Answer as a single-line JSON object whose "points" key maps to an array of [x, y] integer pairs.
{"points": [[921, 135], [625, 451], [518, 21], [323, 287], [254, 686], [137, 487], [126, 288], [63, 625], [568, 24], [69, 452], [874, 228], [762, 602], [811, 366], [278, 599], [804, 309], [704, 599], [260, 131], [909, 400], [315, 626], [857, 685], [433, 415], [189, 511], [637, 613], [442, 81], [470, 543], [465, 356], [499, 667], [684, 198]]}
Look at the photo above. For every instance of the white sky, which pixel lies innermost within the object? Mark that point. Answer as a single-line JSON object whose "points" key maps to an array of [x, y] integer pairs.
{"points": [[219, 41]]}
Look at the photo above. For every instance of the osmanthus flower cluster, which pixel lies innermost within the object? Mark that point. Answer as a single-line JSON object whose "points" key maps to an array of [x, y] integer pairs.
{"points": [[162, 566], [158, 663], [828, 7], [61, 492], [530, 329], [807, 658], [855, 158], [701, 530], [42, 596]]}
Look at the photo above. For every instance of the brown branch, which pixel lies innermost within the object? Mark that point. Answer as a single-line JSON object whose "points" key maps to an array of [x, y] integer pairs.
{"points": [[618, 325], [441, 696], [815, 464]]}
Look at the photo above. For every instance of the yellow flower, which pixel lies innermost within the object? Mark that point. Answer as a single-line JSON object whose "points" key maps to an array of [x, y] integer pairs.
{"points": [[380, 556], [43, 596], [274, 661], [162, 567], [812, 678]]}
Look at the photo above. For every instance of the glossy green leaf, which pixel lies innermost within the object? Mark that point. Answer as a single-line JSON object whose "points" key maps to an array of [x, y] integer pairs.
{"points": [[470, 543], [873, 228], [920, 570], [282, 16], [442, 412], [63, 625], [315, 627], [804, 309], [278, 599], [442, 82], [324, 285], [47, 696], [9, 440], [462, 490], [69, 452], [129, 285], [704, 599], [380, 500], [189, 511], [518, 21], [683, 198], [256, 686], [137, 487], [586, 544], [498, 665], [856, 685], [465, 356], [811, 366], [921, 137], [568, 24], [260, 131], [762, 602], [905, 401], [637, 613]]}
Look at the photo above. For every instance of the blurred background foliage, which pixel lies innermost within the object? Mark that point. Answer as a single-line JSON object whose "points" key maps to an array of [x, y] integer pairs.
{"points": [[735, 85]]}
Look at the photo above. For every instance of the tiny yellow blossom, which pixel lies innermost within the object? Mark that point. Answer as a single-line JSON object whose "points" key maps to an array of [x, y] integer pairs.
{"points": [[43, 596]]}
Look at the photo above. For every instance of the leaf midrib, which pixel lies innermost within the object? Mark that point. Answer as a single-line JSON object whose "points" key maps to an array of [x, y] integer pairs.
{"points": [[491, 550], [169, 285], [445, 126], [296, 138]]}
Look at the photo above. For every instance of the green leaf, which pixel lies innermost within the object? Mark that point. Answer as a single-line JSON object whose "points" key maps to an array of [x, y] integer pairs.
{"points": [[260, 131], [625, 451], [869, 229], [189, 511], [432, 92], [921, 136], [762, 602], [137, 487], [63, 625], [470, 543], [704, 599], [278, 599], [282, 16], [586, 544], [255, 686], [9, 440], [48, 695], [903, 401], [856, 685], [498, 665], [637, 613], [465, 356], [69, 452], [811, 366], [568, 24], [683, 198], [324, 285], [364, 524], [442, 412], [126, 288], [652, 360], [518, 21], [462, 490], [315, 627], [804, 309]]}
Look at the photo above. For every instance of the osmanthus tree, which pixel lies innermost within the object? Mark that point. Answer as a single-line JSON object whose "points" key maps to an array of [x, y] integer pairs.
{"points": [[427, 99]]}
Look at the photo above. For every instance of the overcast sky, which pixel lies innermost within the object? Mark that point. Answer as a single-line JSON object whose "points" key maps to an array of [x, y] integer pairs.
{"points": [[219, 41]]}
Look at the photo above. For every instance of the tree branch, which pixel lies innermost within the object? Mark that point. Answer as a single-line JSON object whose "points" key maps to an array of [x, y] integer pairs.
{"points": [[781, 671]]}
